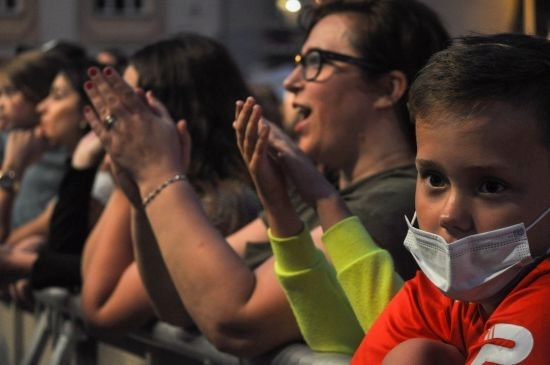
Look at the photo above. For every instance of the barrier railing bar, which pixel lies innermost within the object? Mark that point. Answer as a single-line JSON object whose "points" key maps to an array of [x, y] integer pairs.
{"points": [[59, 319]]}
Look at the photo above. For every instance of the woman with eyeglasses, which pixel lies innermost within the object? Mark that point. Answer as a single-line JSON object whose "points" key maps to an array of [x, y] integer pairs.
{"points": [[349, 85], [350, 96]]}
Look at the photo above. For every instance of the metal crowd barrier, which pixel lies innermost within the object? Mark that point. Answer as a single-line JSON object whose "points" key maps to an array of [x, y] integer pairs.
{"points": [[58, 321]]}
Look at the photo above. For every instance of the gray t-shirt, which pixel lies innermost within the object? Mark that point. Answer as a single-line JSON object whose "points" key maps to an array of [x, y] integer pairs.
{"points": [[381, 203], [38, 185]]}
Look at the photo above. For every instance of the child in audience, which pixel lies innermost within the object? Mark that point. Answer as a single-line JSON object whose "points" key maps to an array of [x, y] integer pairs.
{"points": [[482, 202]]}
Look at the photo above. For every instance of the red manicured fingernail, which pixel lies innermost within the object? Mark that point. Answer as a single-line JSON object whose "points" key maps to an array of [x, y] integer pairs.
{"points": [[88, 85], [108, 71], [93, 71]]}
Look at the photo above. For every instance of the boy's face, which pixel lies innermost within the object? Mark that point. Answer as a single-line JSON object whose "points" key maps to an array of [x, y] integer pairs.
{"points": [[481, 173]]}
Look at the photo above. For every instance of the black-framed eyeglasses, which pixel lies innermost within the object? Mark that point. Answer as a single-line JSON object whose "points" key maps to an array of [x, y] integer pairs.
{"points": [[312, 62]]}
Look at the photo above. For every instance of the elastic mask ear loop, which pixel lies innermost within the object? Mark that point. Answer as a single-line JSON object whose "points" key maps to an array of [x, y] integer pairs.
{"points": [[411, 222]]}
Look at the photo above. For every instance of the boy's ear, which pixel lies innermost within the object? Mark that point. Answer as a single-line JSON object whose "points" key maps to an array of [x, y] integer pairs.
{"points": [[393, 86]]}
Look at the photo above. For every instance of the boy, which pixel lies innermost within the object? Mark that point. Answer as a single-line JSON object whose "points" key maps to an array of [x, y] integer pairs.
{"points": [[482, 115]]}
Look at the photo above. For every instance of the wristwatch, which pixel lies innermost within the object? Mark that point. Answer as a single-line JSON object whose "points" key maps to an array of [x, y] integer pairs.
{"points": [[8, 180]]}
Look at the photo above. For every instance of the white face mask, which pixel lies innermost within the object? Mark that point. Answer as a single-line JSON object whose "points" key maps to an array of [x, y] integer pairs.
{"points": [[472, 268]]}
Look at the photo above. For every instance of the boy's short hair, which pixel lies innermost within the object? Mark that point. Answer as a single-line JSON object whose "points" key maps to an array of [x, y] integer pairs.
{"points": [[476, 71]]}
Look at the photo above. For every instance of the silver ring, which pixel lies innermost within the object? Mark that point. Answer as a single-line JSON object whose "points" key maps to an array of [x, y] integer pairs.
{"points": [[109, 121]]}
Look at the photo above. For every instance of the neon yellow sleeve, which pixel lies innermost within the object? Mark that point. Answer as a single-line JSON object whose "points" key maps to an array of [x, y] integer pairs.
{"points": [[335, 305], [364, 270], [323, 313]]}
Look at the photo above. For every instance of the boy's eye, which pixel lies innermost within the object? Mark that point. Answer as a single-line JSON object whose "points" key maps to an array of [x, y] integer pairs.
{"points": [[491, 187], [434, 180]]}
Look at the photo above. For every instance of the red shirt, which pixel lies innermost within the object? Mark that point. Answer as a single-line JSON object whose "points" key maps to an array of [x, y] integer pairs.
{"points": [[517, 332]]}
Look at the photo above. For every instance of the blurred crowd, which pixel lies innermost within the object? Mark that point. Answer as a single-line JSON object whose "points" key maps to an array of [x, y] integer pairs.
{"points": [[380, 207]]}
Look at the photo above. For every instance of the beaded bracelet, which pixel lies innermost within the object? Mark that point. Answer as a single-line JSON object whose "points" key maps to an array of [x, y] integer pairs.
{"points": [[156, 191]]}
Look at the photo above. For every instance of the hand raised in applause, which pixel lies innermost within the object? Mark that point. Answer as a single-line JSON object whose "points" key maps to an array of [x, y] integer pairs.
{"points": [[298, 168], [252, 139], [252, 135], [143, 142]]}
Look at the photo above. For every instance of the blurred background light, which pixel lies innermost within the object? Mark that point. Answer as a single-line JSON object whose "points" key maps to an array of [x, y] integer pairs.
{"points": [[289, 9], [292, 6]]}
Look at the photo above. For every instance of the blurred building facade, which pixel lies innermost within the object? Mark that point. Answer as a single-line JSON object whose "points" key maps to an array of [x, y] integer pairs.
{"points": [[259, 34]]}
